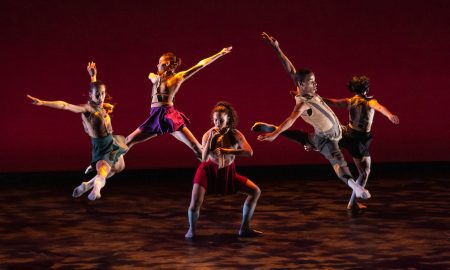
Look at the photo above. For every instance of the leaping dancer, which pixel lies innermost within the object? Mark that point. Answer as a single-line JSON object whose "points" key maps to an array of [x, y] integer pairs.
{"points": [[107, 149], [164, 118], [356, 136], [310, 106]]}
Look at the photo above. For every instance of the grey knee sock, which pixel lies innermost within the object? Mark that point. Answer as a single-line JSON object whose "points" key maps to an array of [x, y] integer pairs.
{"points": [[193, 217], [247, 213]]}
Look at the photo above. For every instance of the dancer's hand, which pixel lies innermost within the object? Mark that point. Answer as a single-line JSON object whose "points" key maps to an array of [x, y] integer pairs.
{"points": [[35, 101], [226, 50], [270, 39], [214, 132], [267, 137], [394, 119], [308, 147], [92, 69], [221, 151]]}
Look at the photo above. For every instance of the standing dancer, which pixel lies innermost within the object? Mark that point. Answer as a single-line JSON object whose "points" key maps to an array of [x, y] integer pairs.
{"points": [[356, 136], [311, 107], [107, 150], [217, 173], [164, 118]]}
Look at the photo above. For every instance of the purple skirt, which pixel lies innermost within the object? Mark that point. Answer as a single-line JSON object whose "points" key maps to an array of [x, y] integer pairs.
{"points": [[164, 119]]}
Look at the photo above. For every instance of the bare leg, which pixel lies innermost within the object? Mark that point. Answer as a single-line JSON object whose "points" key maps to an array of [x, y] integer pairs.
{"points": [[297, 136], [363, 166], [138, 136], [253, 192], [103, 170], [117, 168], [198, 194], [184, 135]]}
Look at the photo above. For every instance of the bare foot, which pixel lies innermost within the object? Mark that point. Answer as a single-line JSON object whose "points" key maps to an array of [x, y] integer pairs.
{"points": [[81, 189]]}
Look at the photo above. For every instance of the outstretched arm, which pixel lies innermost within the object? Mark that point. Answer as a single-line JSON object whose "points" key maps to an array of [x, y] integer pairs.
{"points": [[92, 70], [203, 63], [287, 64], [287, 123], [378, 107], [62, 105], [245, 150], [338, 103]]}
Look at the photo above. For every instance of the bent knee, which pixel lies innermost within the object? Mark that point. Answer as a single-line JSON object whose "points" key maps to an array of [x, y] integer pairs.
{"points": [[257, 192], [254, 194], [120, 168], [103, 168]]}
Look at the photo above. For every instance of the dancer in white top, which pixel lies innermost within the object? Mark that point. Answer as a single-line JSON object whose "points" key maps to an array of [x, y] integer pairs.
{"points": [[310, 106]]}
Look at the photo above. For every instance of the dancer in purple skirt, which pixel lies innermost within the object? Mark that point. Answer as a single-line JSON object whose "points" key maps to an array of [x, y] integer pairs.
{"points": [[164, 118]]}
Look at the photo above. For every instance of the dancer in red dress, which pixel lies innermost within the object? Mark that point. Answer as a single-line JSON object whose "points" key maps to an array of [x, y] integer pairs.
{"points": [[217, 173]]}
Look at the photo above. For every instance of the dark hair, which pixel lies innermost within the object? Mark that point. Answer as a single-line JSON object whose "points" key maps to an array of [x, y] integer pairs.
{"points": [[107, 106], [174, 60], [302, 73], [95, 85], [359, 84], [225, 107]]}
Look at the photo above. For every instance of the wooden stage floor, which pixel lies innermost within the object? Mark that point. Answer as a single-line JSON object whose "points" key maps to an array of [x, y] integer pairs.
{"points": [[140, 222]]}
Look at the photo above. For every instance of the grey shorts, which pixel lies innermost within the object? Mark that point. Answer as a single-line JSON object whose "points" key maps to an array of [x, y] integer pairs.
{"points": [[328, 148]]}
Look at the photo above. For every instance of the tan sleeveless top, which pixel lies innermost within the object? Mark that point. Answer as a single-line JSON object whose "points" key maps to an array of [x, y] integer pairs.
{"points": [[321, 117]]}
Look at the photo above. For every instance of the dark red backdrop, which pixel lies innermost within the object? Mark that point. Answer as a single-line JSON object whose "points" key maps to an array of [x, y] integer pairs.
{"points": [[401, 46]]}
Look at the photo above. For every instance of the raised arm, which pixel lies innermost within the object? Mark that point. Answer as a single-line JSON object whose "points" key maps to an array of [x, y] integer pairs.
{"points": [[338, 103], [62, 105], [287, 123], [203, 63], [92, 70], [378, 107], [244, 150], [287, 64]]}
